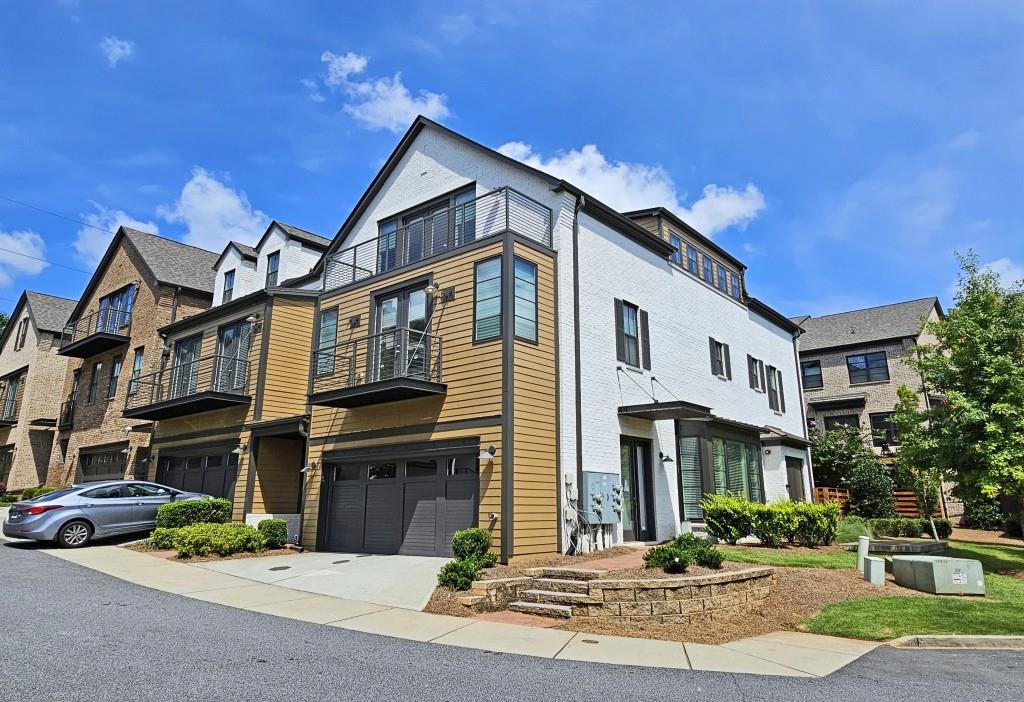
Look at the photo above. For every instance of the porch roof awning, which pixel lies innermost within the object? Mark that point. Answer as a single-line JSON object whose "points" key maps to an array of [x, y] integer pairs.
{"points": [[774, 435], [655, 411], [287, 427], [839, 401]]}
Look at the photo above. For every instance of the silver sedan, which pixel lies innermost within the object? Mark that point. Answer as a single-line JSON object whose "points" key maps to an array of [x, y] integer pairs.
{"points": [[75, 515]]}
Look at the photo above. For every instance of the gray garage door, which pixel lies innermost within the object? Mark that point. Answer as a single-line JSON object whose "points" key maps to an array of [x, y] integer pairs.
{"points": [[412, 506], [212, 473]]}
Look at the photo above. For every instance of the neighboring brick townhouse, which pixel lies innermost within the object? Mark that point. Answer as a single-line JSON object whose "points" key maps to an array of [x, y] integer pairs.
{"points": [[111, 337], [852, 364], [32, 376]]}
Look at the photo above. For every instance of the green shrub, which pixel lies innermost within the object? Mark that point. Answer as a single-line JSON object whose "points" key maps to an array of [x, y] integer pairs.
{"points": [[8, 499], [162, 539], [982, 512], [669, 557], [943, 526], [472, 543], [219, 538], [909, 528], [488, 560], [790, 512], [459, 574], [816, 523], [769, 524], [728, 518], [275, 531], [852, 528], [34, 492], [699, 550], [187, 512], [871, 490], [1012, 525]]}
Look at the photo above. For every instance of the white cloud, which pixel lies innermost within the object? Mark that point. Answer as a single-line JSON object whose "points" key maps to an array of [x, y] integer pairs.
{"points": [[313, 88], [91, 243], [632, 186], [213, 213], [19, 253], [376, 103], [1010, 273], [116, 50]]}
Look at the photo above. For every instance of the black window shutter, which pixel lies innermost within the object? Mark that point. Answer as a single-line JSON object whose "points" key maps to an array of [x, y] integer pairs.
{"points": [[715, 370], [728, 363], [782, 396], [620, 336], [752, 371], [645, 339]]}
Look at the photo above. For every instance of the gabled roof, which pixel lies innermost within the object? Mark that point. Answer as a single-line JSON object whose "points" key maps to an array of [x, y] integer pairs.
{"points": [[314, 240], [167, 261], [680, 224], [244, 250], [601, 211], [49, 312], [899, 320]]}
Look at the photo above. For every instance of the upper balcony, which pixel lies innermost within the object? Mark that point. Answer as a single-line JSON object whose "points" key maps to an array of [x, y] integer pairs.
{"points": [[489, 215], [209, 383], [97, 332], [398, 364]]}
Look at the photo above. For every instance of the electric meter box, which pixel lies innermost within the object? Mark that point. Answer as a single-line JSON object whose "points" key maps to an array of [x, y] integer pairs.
{"points": [[601, 497], [939, 575]]}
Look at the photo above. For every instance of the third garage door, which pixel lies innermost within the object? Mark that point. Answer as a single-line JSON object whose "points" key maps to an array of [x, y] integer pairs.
{"points": [[409, 505]]}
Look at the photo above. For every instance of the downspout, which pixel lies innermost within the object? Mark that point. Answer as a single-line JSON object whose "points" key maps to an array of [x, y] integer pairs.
{"points": [[803, 411], [577, 367], [174, 304]]}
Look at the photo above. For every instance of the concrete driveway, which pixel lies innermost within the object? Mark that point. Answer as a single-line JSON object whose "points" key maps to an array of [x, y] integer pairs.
{"points": [[395, 581]]}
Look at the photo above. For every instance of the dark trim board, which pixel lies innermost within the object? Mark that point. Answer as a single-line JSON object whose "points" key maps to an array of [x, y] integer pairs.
{"points": [[508, 440], [380, 392], [94, 344], [406, 449], [202, 434], [190, 404]]}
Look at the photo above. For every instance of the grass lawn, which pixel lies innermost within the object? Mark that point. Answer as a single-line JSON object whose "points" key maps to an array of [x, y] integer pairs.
{"points": [[881, 618], [832, 560]]}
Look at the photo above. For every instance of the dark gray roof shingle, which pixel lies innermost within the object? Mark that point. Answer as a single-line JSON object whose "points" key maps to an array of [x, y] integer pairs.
{"points": [[310, 238], [175, 263], [896, 321], [244, 249], [50, 312]]}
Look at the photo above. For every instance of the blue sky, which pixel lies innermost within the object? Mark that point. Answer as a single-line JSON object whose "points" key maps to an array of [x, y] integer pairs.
{"points": [[842, 150]]}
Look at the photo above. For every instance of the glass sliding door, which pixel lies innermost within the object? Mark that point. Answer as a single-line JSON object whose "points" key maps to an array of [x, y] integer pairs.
{"points": [[231, 364], [185, 371], [401, 346], [637, 490]]}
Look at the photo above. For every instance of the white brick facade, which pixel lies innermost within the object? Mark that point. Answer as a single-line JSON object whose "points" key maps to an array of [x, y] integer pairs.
{"points": [[296, 259]]}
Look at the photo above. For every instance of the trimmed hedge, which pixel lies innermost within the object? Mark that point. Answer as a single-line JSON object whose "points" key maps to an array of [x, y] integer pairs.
{"points": [[221, 539], [472, 549], [174, 515], [909, 528], [730, 518], [275, 531], [459, 574], [472, 543], [162, 538]]}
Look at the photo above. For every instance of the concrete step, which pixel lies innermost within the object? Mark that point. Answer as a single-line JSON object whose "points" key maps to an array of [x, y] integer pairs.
{"points": [[558, 585], [549, 597], [566, 573], [544, 610]]}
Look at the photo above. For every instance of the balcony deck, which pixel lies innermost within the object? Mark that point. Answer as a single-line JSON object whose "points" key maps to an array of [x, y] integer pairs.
{"points": [[210, 383], [96, 333]]}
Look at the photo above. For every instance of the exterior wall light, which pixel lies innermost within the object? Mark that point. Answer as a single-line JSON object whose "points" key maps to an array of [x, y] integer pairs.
{"points": [[488, 453]]}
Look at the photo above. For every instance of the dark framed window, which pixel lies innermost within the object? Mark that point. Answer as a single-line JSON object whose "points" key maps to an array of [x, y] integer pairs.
{"points": [[229, 285], [677, 244], [755, 372], [734, 285], [709, 275], [882, 430], [736, 466], [487, 300], [632, 335], [723, 284], [133, 384], [526, 300], [94, 381], [6, 459], [326, 341], [776, 395], [867, 367], [19, 340], [691, 259], [841, 421], [116, 310], [721, 364], [115, 374], [10, 395], [810, 371], [273, 262]]}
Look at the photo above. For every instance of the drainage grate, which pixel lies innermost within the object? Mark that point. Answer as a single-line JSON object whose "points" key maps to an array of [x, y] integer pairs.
{"points": [[365, 555], [589, 641], [338, 562], [281, 568]]}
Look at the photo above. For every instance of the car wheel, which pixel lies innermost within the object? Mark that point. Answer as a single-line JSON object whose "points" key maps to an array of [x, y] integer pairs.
{"points": [[74, 534]]}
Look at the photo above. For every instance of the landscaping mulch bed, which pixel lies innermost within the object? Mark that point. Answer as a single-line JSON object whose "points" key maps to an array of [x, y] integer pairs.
{"points": [[979, 536], [171, 555]]}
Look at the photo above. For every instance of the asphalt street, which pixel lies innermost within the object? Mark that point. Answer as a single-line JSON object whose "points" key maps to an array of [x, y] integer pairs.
{"points": [[74, 634]]}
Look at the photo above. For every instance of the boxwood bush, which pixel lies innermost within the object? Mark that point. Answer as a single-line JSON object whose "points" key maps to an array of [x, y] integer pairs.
{"points": [[162, 538], [275, 531], [909, 528], [730, 518], [459, 574], [187, 512], [669, 557], [220, 538], [471, 543]]}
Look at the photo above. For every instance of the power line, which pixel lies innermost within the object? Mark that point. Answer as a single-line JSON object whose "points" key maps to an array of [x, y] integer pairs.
{"points": [[52, 214]]}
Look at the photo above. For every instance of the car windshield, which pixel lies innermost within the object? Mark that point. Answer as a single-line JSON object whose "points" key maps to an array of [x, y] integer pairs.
{"points": [[55, 495]]}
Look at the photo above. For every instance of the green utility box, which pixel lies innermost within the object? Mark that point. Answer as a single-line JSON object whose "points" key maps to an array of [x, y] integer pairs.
{"points": [[939, 575]]}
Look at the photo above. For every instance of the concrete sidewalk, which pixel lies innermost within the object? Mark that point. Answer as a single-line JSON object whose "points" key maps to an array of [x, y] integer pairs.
{"points": [[782, 653]]}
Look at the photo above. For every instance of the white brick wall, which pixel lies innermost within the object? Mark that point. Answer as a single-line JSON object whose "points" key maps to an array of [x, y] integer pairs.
{"points": [[295, 260], [245, 276]]}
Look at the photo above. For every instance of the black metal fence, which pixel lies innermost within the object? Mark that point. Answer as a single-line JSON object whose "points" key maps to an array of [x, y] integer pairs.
{"points": [[389, 355], [105, 321], [67, 413], [496, 212], [222, 374]]}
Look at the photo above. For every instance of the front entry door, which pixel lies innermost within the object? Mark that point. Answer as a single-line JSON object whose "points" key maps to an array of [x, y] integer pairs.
{"points": [[637, 492], [795, 479], [401, 348]]}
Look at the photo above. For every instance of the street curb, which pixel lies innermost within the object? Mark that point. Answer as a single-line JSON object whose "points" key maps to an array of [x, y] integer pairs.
{"points": [[1015, 643]]}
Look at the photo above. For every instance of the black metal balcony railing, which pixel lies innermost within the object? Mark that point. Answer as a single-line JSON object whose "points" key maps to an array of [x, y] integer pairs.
{"points": [[67, 413], [206, 383], [396, 364], [106, 321], [496, 212]]}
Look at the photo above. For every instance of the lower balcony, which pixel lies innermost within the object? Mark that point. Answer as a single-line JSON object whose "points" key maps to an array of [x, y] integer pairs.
{"points": [[398, 364], [213, 382]]}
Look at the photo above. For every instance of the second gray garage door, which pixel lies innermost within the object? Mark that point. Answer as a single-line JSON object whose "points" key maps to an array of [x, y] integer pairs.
{"points": [[408, 505]]}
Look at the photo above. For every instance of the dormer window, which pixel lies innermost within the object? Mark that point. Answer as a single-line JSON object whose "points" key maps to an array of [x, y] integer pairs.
{"points": [[273, 261], [229, 285]]}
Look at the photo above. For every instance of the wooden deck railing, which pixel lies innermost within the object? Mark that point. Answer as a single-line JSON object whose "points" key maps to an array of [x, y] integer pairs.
{"points": [[906, 502]]}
